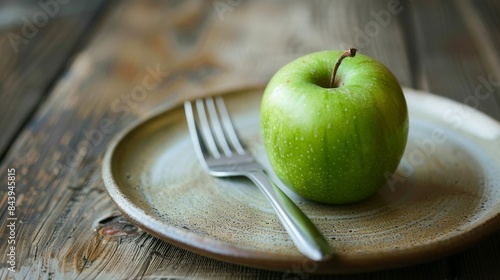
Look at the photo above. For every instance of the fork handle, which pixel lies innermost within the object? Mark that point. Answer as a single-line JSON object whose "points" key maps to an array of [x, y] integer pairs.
{"points": [[304, 233]]}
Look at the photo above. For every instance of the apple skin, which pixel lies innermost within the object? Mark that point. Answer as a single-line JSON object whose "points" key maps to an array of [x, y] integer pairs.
{"points": [[334, 145]]}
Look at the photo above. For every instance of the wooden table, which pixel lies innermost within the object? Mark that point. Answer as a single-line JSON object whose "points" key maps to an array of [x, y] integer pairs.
{"points": [[68, 75]]}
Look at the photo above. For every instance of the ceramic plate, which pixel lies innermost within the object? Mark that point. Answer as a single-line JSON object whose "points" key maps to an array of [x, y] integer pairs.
{"points": [[444, 196]]}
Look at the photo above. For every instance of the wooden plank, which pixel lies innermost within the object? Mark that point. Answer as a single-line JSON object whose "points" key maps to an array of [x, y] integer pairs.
{"points": [[479, 262], [482, 21], [68, 226], [450, 57], [34, 52]]}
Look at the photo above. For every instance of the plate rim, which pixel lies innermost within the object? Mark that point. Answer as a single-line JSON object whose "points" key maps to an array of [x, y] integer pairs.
{"points": [[273, 261]]}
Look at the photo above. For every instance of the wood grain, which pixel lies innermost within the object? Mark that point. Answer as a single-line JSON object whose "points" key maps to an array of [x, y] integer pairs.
{"points": [[33, 56], [150, 53], [453, 62]]}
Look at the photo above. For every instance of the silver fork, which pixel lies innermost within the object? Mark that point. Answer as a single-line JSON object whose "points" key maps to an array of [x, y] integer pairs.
{"points": [[222, 155]]}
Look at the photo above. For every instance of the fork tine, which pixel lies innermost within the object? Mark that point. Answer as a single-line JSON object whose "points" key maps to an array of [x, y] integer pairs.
{"points": [[205, 128], [198, 144], [217, 127], [228, 126]]}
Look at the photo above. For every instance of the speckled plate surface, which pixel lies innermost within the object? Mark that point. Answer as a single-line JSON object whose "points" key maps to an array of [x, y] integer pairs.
{"points": [[444, 197]]}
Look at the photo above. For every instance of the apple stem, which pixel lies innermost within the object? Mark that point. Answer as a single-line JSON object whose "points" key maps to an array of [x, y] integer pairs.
{"points": [[351, 52]]}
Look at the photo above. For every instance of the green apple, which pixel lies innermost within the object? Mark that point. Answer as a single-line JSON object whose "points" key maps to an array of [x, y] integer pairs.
{"points": [[334, 137]]}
